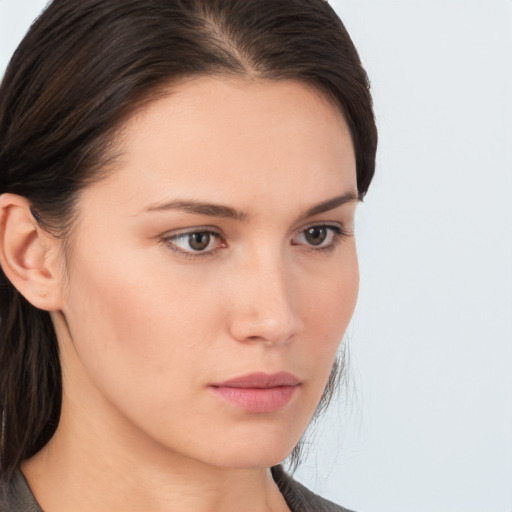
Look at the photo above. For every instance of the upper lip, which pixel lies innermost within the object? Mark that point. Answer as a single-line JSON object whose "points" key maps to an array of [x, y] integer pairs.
{"points": [[260, 380]]}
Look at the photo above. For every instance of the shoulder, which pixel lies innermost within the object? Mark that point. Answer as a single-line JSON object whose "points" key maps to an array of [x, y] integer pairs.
{"points": [[16, 496], [300, 498]]}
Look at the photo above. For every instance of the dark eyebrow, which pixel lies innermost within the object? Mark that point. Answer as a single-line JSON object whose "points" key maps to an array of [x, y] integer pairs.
{"points": [[227, 212], [199, 208], [331, 204]]}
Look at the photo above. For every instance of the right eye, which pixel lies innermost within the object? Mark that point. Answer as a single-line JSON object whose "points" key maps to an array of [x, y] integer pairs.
{"points": [[195, 243]]}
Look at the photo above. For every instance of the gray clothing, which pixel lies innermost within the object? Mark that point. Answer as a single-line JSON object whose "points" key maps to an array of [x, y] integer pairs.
{"points": [[16, 496], [298, 497]]}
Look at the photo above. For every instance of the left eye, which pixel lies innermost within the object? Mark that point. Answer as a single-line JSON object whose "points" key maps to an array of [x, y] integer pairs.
{"points": [[318, 236], [195, 242]]}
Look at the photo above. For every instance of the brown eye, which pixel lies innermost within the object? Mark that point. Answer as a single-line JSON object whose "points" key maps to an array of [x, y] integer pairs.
{"points": [[199, 241], [315, 235], [320, 237]]}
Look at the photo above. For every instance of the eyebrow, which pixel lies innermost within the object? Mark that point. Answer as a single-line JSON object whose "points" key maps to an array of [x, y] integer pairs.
{"points": [[227, 212], [200, 208], [331, 204]]}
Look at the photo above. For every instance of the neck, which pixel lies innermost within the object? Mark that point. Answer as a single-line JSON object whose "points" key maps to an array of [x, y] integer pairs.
{"points": [[96, 461], [100, 460], [80, 473]]}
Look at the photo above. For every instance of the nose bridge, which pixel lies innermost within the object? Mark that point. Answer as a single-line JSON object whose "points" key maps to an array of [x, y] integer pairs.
{"points": [[265, 306]]}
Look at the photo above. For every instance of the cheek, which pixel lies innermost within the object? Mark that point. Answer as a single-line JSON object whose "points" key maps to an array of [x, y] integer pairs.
{"points": [[329, 302], [133, 327], [326, 308]]}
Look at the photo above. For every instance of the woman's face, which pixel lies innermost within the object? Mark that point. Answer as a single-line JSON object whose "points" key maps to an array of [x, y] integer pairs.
{"points": [[220, 247]]}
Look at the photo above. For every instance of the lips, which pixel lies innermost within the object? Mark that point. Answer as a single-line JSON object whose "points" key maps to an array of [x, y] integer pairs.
{"points": [[258, 392], [261, 380]]}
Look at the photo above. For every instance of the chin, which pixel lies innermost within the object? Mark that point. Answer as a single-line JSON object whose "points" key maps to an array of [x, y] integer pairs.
{"points": [[251, 453], [250, 460]]}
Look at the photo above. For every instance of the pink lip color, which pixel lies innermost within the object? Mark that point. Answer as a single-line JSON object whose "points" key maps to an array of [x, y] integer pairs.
{"points": [[258, 392]]}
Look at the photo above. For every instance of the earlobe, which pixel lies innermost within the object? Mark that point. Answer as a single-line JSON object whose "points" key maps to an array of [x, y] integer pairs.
{"points": [[28, 254]]}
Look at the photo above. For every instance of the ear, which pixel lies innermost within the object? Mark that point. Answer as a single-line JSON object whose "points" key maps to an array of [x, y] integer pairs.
{"points": [[28, 254]]}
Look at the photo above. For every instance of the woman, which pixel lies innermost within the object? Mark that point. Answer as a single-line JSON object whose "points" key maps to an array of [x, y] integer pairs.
{"points": [[179, 180]]}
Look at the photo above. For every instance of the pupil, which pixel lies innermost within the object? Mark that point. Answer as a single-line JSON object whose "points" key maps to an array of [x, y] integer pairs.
{"points": [[199, 241], [316, 235]]}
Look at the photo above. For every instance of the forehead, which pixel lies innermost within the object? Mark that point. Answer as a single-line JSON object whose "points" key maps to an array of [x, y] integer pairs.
{"points": [[236, 141]]}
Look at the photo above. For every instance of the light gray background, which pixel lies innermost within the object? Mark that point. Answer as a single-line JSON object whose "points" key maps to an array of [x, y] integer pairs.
{"points": [[426, 421]]}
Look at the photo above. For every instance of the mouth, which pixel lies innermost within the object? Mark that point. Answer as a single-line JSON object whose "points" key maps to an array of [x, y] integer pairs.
{"points": [[258, 392]]}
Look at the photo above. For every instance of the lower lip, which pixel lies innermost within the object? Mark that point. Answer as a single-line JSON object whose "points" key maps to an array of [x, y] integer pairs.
{"points": [[256, 399]]}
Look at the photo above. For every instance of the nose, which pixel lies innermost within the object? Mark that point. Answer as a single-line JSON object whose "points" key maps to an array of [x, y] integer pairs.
{"points": [[264, 306]]}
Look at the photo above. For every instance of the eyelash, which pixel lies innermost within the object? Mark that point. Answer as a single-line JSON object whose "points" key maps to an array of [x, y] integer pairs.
{"points": [[338, 233], [169, 242]]}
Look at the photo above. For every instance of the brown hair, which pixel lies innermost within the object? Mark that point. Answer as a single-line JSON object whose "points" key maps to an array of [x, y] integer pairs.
{"points": [[85, 66]]}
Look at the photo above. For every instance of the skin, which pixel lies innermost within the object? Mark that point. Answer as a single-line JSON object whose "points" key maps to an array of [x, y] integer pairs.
{"points": [[145, 326]]}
